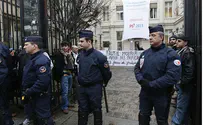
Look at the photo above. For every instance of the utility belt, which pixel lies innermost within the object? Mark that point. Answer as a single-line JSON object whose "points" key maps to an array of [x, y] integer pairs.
{"points": [[26, 99], [67, 72]]}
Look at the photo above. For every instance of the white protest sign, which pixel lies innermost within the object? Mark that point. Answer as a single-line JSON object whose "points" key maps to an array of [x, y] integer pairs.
{"points": [[122, 58], [136, 19]]}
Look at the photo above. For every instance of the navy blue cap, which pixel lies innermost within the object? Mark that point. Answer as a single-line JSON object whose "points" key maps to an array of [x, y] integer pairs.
{"points": [[35, 39], [86, 34], [158, 28]]}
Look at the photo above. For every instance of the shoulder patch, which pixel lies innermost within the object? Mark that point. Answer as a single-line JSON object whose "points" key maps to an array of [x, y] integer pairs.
{"points": [[177, 62], [42, 69]]}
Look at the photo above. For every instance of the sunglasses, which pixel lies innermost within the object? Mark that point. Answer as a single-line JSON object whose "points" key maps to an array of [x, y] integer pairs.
{"points": [[173, 39]]}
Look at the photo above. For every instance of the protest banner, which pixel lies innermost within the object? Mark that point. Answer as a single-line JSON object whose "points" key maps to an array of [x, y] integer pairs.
{"points": [[122, 58]]}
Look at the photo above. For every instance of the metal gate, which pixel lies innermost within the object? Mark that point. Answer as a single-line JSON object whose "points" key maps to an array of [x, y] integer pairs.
{"points": [[20, 18]]}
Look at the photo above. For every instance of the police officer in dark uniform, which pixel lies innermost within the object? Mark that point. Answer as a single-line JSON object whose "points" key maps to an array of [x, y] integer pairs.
{"points": [[93, 71], [5, 114], [36, 82], [157, 70]]}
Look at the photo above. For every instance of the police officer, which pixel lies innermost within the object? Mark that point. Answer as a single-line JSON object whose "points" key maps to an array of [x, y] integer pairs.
{"points": [[36, 81], [92, 65], [5, 114], [157, 70]]}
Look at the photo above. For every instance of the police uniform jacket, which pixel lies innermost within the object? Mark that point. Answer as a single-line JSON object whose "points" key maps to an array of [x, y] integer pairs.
{"points": [[37, 74], [91, 63], [161, 66], [4, 52]]}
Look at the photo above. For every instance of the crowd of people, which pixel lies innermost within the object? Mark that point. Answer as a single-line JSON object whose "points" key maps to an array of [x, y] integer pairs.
{"points": [[160, 70]]}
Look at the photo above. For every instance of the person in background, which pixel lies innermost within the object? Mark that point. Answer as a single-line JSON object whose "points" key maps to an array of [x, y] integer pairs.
{"points": [[172, 42], [185, 85], [64, 66], [75, 82]]}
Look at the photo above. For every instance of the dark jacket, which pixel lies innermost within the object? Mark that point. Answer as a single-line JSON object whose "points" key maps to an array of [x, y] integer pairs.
{"points": [[158, 65], [93, 68], [37, 74], [60, 64], [4, 53], [188, 64]]}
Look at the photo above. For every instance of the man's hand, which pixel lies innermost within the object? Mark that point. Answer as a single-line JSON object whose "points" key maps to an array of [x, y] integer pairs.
{"points": [[25, 98], [144, 83]]}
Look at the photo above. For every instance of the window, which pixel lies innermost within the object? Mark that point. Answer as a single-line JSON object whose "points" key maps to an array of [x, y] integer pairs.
{"points": [[119, 46], [168, 32], [153, 10], [106, 44], [119, 12], [119, 35], [106, 13], [105, 35], [168, 9]]}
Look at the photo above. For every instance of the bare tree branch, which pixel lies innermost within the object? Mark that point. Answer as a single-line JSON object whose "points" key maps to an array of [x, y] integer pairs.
{"points": [[74, 15]]}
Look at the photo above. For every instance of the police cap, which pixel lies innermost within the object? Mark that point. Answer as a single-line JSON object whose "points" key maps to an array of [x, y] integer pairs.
{"points": [[158, 28], [86, 34], [34, 39]]}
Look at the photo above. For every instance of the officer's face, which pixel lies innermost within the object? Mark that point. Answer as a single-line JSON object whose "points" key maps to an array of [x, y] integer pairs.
{"points": [[29, 47], [155, 39], [84, 43], [180, 43]]}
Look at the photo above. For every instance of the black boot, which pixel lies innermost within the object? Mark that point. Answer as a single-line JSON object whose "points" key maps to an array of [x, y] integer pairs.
{"points": [[143, 120], [82, 118], [98, 118]]}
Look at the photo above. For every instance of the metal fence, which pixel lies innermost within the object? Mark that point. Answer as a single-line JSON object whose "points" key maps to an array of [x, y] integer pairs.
{"points": [[20, 18]]}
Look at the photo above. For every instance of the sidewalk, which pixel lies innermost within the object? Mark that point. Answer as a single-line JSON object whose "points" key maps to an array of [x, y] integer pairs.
{"points": [[123, 102]]}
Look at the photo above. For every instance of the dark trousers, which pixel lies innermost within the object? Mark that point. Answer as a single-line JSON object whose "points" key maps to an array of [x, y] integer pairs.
{"points": [[160, 105], [39, 108], [5, 114], [90, 101]]}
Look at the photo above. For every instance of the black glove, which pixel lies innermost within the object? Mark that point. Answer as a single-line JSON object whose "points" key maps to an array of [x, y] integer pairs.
{"points": [[144, 83]]}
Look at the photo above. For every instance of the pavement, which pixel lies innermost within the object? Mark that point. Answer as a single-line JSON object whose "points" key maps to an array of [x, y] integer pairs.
{"points": [[123, 102]]}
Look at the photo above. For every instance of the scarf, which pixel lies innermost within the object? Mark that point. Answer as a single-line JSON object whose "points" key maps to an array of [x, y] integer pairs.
{"points": [[67, 57]]}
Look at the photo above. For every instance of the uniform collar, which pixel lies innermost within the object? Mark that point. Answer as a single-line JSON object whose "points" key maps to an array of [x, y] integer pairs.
{"points": [[159, 47], [35, 54], [87, 52]]}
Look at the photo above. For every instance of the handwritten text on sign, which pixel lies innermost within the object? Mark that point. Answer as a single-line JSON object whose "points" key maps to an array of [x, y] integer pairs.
{"points": [[122, 58]]}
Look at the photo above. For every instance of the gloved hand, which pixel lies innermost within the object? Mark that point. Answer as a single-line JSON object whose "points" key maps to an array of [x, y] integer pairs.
{"points": [[144, 83], [25, 98]]}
